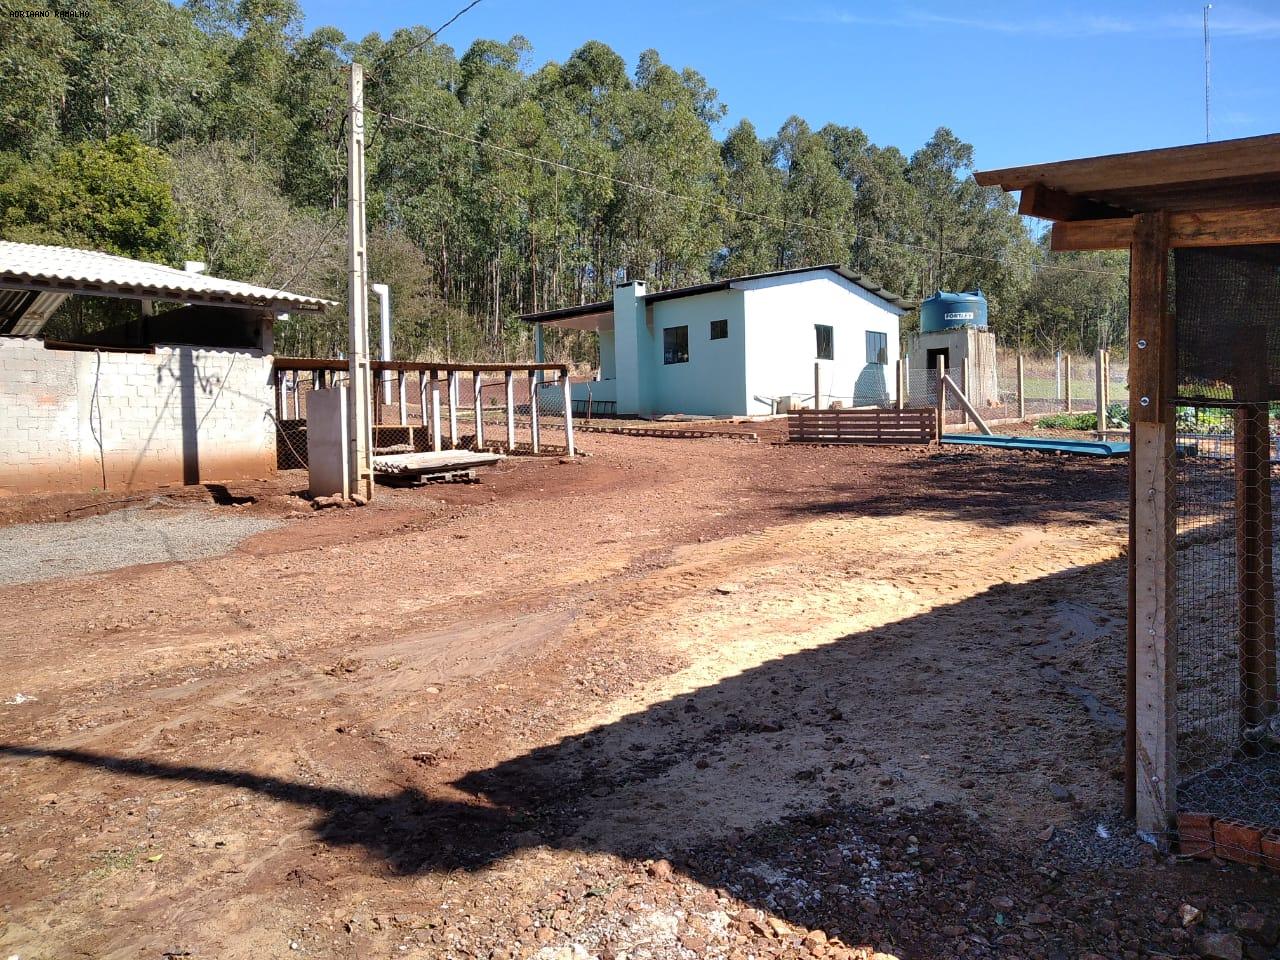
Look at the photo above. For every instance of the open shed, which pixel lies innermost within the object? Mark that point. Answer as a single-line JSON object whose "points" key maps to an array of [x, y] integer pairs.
{"points": [[181, 390], [1202, 224]]}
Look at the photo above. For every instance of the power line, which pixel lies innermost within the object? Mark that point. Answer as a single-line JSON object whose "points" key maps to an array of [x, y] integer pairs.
{"points": [[430, 36], [720, 206]]}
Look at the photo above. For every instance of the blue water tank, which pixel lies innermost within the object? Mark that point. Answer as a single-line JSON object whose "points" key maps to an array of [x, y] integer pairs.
{"points": [[946, 310]]}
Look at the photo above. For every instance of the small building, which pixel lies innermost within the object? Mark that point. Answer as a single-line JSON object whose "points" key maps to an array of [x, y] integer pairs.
{"points": [[953, 330], [179, 395], [741, 346]]}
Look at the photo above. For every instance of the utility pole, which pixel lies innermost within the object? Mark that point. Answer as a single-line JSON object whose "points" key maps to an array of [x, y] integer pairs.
{"points": [[1207, 8], [360, 392]]}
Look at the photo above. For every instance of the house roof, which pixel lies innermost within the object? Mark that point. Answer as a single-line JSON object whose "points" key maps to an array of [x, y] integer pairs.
{"points": [[67, 271], [606, 306], [1203, 176]]}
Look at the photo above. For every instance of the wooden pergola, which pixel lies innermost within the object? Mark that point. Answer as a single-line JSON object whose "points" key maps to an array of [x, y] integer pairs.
{"points": [[1225, 193]]}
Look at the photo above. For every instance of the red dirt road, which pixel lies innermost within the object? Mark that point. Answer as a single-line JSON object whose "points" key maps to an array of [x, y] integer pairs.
{"points": [[839, 695]]}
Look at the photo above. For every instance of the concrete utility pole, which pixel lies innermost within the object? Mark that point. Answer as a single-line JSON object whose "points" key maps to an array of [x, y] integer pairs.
{"points": [[361, 388]]}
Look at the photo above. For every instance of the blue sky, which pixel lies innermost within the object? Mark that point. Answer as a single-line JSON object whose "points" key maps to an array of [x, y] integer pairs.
{"points": [[1023, 82]]}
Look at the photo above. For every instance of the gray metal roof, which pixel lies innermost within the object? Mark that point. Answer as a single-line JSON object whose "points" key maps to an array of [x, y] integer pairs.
{"points": [[566, 313], [66, 270]]}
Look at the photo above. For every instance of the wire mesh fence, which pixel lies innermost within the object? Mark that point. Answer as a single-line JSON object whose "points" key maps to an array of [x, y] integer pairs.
{"points": [[1226, 720], [414, 412]]}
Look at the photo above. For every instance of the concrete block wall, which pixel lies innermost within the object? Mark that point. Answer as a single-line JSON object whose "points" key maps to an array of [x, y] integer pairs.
{"points": [[83, 420]]}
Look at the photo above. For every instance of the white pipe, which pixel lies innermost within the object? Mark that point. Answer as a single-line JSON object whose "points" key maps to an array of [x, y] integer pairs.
{"points": [[384, 305]]}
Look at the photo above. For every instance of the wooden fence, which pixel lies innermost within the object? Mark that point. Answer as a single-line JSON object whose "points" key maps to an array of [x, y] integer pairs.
{"points": [[862, 426]]}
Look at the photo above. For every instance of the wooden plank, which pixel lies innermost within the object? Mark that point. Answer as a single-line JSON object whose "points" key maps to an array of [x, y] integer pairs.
{"points": [[1150, 334], [1041, 201], [453, 409], [1206, 228], [1221, 160], [1155, 608], [1151, 503]]}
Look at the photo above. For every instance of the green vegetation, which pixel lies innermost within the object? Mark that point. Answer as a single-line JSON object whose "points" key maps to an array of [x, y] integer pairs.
{"points": [[234, 113]]}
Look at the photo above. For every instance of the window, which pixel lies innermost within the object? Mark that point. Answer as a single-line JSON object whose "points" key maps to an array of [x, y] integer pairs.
{"points": [[877, 347], [719, 329], [826, 348], [675, 345]]}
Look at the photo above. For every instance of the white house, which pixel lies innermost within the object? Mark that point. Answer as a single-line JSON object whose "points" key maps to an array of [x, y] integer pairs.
{"points": [[739, 346]]}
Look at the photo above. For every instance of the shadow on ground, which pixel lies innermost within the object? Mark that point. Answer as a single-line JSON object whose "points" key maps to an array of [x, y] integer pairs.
{"points": [[784, 783]]}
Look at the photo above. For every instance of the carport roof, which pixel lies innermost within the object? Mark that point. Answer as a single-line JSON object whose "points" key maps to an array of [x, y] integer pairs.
{"points": [[606, 306], [41, 269]]}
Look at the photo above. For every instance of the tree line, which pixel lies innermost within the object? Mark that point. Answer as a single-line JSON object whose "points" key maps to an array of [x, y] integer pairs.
{"points": [[496, 186]]}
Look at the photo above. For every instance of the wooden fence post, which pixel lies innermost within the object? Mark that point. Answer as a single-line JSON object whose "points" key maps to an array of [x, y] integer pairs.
{"points": [[817, 385], [966, 388], [1022, 389], [1066, 369], [902, 383], [1100, 389], [401, 380], [533, 411], [476, 388]]}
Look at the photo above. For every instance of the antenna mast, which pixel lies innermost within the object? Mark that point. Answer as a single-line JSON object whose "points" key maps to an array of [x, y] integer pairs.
{"points": [[1207, 8]]}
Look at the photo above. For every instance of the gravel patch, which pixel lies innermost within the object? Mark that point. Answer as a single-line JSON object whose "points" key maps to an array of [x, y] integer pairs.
{"points": [[153, 533]]}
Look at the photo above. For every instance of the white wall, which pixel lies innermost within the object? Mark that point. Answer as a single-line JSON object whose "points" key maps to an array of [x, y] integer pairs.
{"points": [[181, 414], [713, 382], [781, 345]]}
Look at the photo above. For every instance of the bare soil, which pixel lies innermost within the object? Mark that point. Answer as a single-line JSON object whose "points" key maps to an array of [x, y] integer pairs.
{"points": [[676, 699]]}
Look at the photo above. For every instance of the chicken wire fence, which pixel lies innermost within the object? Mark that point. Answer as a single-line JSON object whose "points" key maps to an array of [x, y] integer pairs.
{"points": [[404, 422], [1025, 395], [1226, 721]]}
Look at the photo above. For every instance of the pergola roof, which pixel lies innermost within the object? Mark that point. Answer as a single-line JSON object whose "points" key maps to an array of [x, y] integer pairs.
{"points": [[1202, 176]]}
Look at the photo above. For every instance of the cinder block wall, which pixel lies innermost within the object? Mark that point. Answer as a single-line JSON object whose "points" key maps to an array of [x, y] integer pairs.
{"points": [[79, 420]]}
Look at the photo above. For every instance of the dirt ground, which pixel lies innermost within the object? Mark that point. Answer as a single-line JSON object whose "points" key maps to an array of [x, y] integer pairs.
{"points": [[675, 699]]}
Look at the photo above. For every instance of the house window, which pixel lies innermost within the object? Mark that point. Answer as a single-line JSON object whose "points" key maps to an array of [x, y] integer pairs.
{"points": [[675, 345], [719, 329], [826, 349], [877, 347]]}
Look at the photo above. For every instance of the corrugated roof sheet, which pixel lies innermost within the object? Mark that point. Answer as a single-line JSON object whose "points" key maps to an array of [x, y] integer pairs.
{"points": [[65, 269]]}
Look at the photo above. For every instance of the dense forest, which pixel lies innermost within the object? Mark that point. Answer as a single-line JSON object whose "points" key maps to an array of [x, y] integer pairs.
{"points": [[216, 131]]}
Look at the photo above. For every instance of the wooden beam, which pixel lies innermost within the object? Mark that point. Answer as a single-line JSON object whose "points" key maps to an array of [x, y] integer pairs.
{"points": [[1206, 228], [1244, 158], [1038, 200], [1153, 682]]}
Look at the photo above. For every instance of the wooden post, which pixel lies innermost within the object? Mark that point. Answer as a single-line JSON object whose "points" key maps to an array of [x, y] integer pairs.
{"points": [[568, 411], [404, 405], [1255, 588], [942, 396], [435, 414], [281, 412], [1022, 389], [817, 385], [902, 383], [1066, 369], [533, 412], [511, 410], [479, 408], [1100, 391], [423, 387], [453, 409], [966, 389], [1153, 626]]}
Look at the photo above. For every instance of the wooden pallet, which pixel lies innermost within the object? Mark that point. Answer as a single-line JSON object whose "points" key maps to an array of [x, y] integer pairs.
{"points": [[862, 426]]}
